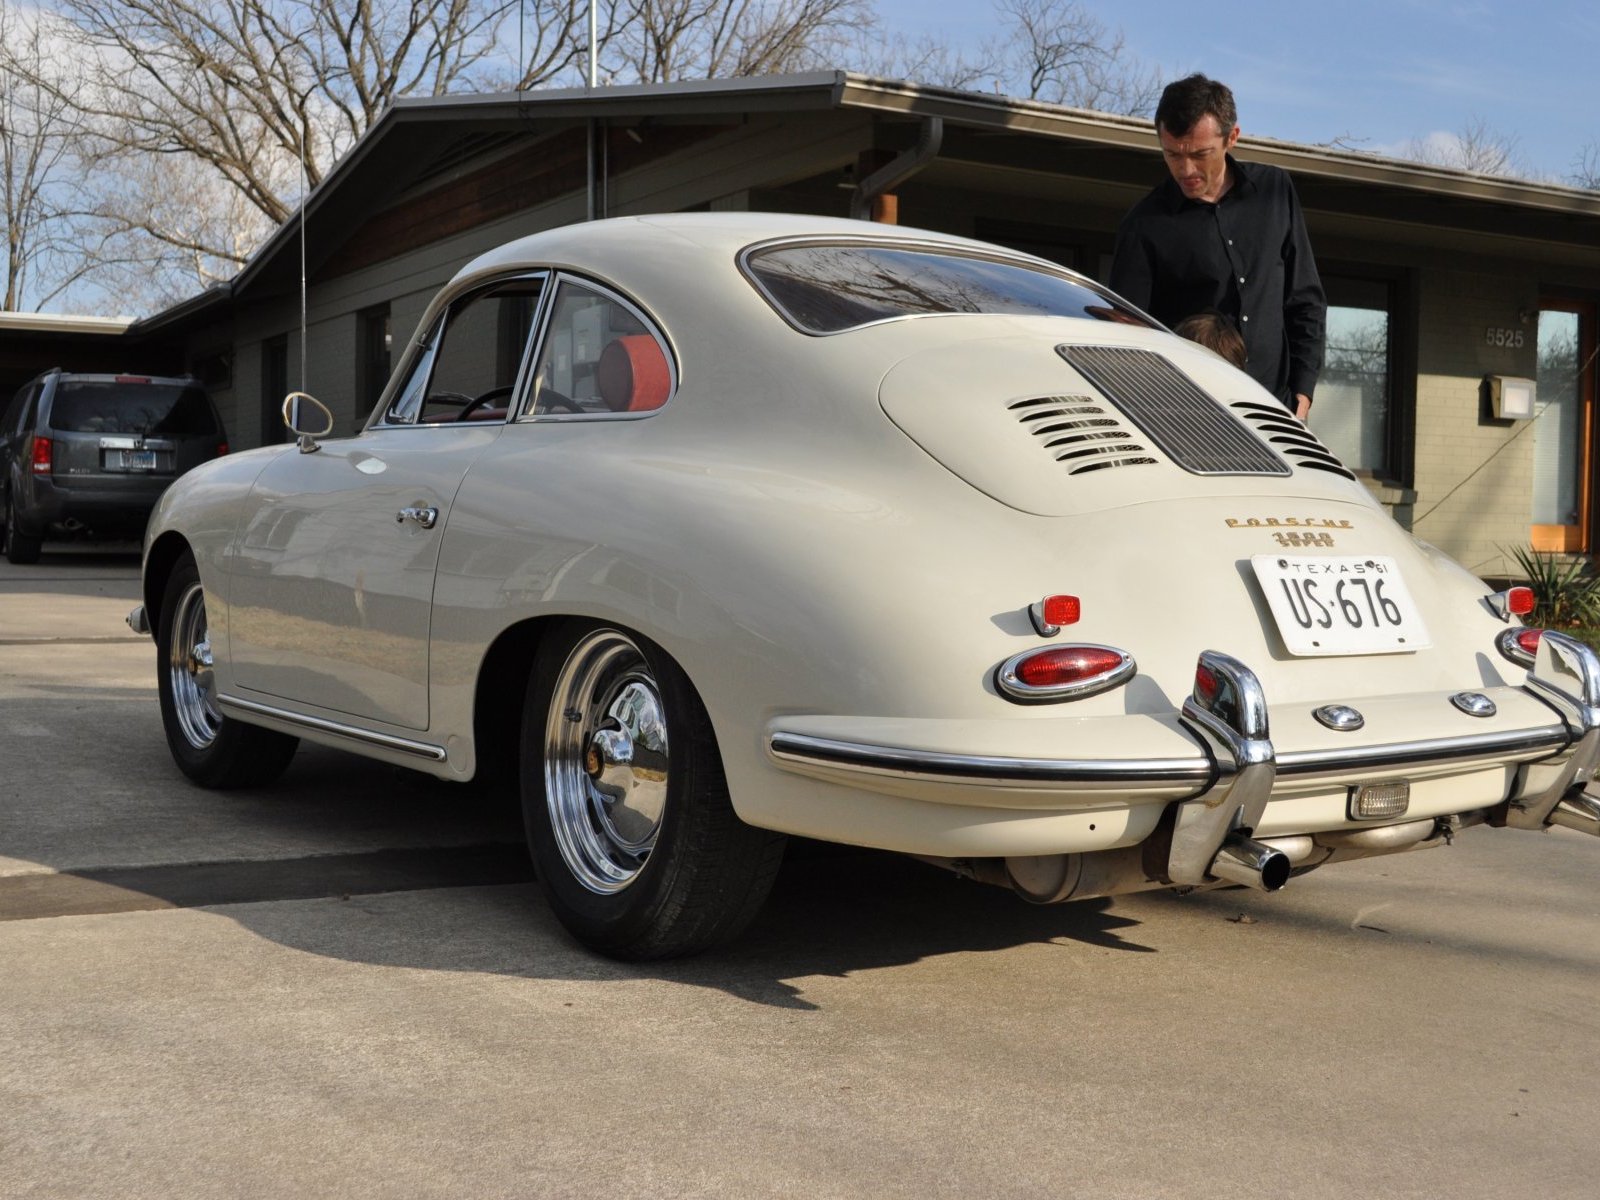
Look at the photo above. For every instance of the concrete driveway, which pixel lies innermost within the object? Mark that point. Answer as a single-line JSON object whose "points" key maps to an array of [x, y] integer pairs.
{"points": [[346, 985]]}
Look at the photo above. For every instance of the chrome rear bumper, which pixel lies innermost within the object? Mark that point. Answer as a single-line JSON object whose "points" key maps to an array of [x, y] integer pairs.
{"points": [[1215, 796]]}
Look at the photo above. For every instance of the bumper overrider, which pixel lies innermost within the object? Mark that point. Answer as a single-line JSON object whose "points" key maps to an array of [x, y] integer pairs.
{"points": [[1208, 828]]}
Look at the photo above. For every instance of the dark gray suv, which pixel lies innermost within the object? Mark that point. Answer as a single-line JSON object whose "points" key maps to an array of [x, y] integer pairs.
{"points": [[89, 455]]}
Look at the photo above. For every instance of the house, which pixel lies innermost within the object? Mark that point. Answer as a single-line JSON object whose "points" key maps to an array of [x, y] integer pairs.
{"points": [[1442, 285]]}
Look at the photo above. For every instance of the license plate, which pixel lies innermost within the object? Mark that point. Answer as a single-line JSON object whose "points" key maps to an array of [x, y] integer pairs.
{"points": [[137, 460], [1340, 604]]}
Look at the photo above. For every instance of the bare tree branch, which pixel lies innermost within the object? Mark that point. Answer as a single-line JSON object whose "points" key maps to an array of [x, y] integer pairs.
{"points": [[1476, 147]]}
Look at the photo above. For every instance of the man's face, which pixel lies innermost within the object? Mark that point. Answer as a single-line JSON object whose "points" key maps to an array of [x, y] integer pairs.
{"points": [[1198, 159]]}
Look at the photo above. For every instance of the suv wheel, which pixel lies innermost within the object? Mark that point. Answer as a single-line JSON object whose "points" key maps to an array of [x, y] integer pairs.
{"points": [[19, 548]]}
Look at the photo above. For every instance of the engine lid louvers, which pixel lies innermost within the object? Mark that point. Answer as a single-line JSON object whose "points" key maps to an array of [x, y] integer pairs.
{"points": [[1193, 429], [1080, 433], [1290, 437]]}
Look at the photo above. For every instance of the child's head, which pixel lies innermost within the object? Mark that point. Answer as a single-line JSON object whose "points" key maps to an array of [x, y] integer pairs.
{"points": [[1215, 332]]}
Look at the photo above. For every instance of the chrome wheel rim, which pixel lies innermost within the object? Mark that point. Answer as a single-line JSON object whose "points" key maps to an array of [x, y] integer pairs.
{"points": [[606, 762], [189, 668]]}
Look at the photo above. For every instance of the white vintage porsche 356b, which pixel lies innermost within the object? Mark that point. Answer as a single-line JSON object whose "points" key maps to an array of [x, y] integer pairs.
{"points": [[708, 529]]}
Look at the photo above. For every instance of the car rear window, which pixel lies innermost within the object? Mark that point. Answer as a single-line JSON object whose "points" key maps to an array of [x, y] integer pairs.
{"points": [[831, 287], [109, 406]]}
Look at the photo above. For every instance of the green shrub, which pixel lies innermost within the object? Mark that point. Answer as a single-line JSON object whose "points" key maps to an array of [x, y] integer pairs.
{"points": [[1566, 590]]}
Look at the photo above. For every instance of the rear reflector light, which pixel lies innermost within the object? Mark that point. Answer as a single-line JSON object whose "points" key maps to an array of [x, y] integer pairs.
{"points": [[1517, 601], [40, 456], [1206, 686], [1064, 672], [133, 379], [1051, 613], [222, 448], [1519, 645]]}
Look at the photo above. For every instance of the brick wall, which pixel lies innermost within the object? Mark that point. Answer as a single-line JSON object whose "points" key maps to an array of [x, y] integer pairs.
{"points": [[1473, 474]]}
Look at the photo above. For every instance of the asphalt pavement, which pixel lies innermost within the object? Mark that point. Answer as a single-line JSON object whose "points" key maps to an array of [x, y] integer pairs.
{"points": [[347, 985]]}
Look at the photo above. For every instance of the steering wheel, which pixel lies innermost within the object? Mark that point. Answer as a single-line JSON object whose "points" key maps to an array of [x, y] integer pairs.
{"points": [[550, 400], [473, 405]]}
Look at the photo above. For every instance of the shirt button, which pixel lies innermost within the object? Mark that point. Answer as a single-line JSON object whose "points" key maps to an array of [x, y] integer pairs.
{"points": [[1230, 241], [1244, 318], [1241, 279]]}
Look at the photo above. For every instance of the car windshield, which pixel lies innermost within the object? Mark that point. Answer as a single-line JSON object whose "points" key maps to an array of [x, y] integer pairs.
{"points": [[121, 406], [828, 288]]}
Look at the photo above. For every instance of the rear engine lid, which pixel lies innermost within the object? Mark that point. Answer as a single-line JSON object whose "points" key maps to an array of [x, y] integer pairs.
{"points": [[1057, 427]]}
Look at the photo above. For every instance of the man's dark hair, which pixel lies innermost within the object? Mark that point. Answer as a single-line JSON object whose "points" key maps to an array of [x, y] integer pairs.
{"points": [[1183, 104]]}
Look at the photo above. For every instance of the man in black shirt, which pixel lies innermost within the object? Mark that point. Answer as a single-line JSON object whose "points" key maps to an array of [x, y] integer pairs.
{"points": [[1225, 235]]}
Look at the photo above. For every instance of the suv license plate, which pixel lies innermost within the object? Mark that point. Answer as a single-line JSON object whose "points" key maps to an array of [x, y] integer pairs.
{"points": [[138, 460], [1340, 604]]}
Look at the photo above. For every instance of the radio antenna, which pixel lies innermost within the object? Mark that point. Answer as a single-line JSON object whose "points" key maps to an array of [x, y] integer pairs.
{"points": [[305, 196]]}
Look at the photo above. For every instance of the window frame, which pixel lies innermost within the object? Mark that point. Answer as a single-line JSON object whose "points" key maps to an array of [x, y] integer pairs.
{"points": [[524, 413], [1400, 433], [427, 346]]}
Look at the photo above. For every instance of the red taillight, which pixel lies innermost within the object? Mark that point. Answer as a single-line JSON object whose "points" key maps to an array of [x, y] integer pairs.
{"points": [[222, 448], [133, 379], [1067, 664], [1520, 601], [1205, 686], [1064, 672], [1521, 646], [41, 456]]}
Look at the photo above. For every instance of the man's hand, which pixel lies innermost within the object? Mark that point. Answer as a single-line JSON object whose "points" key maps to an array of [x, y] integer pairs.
{"points": [[1302, 406]]}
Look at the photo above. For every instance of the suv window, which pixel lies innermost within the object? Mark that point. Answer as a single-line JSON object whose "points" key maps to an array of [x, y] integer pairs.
{"points": [[131, 406], [832, 287]]}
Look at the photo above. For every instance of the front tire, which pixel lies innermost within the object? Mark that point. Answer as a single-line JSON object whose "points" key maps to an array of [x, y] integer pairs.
{"points": [[213, 750], [634, 838]]}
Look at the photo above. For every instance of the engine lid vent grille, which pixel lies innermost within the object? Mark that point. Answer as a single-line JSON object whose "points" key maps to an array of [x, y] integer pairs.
{"points": [[1080, 433], [1194, 430], [1292, 439]]}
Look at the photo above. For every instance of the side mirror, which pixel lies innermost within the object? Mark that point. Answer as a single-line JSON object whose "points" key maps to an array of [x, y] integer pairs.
{"points": [[308, 418]]}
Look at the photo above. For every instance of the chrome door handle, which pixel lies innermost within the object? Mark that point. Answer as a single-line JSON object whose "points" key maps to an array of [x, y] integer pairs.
{"points": [[426, 517]]}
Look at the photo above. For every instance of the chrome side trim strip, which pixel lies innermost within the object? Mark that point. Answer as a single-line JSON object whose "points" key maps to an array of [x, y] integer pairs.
{"points": [[322, 725], [803, 748], [1547, 739]]}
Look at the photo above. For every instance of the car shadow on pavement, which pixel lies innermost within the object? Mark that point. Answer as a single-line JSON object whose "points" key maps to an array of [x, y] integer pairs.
{"points": [[835, 912]]}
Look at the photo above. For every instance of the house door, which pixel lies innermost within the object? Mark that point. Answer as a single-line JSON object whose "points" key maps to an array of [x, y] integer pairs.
{"points": [[1564, 429]]}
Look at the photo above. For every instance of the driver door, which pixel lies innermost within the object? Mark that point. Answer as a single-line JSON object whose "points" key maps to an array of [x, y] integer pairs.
{"points": [[332, 571]]}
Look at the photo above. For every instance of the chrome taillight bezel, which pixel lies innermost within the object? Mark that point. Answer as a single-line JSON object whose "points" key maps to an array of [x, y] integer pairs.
{"points": [[1013, 687]]}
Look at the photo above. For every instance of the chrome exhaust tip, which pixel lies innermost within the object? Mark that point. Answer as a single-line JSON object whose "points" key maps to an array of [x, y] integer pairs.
{"points": [[1252, 863], [1578, 811]]}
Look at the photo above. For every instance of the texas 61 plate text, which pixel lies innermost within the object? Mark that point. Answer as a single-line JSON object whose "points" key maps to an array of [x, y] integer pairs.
{"points": [[1340, 604]]}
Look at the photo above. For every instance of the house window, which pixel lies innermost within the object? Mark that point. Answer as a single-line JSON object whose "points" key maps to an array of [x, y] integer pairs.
{"points": [[376, 341], [1353, 413], [1562, 433]]}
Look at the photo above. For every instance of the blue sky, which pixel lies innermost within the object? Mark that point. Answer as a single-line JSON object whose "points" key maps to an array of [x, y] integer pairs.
{"points": [[1376, 74]]}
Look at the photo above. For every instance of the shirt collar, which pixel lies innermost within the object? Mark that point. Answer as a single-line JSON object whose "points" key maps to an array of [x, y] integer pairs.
{"points": [[1174, 199]]}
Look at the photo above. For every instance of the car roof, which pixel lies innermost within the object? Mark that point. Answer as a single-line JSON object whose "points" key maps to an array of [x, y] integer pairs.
{"points": [[626, 248]]}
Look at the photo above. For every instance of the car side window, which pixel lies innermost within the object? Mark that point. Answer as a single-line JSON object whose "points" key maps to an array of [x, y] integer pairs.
{"points": [[16, 418], [599, 356], [467, 366]]}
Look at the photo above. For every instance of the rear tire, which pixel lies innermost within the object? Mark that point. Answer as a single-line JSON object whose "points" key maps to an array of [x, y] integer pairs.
{"points": [[635, 840], [213, 750], [19, 547]]}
